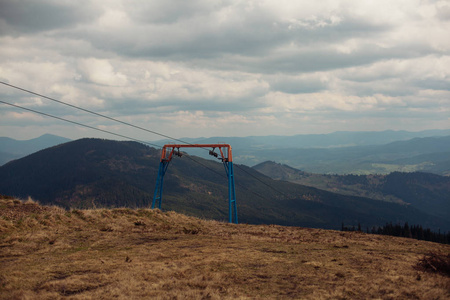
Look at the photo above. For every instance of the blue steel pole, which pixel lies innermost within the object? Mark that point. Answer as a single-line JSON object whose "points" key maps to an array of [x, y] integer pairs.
{"points": [[161, 190], [233, 194], [230, 215], [159, 184]]}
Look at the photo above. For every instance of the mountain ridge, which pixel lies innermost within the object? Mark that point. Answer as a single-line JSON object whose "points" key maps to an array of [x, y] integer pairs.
{"points": [[426, 191], [90, 173], [326, 140], [375, 152], [427, 154], [11, 149]]}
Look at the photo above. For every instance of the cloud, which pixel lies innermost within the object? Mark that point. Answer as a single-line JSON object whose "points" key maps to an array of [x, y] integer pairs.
{"points": [[168, 12], [100, 71], [28, 16], [231, 67]]}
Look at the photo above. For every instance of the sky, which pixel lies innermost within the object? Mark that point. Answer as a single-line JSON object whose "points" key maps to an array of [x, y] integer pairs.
{"points": [[203, 68]]}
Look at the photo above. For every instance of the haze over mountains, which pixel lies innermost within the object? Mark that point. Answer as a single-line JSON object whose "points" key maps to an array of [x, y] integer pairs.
{"points": [[102, 173], [13, 149], [330, 140], [335, 153], [346, 152]]}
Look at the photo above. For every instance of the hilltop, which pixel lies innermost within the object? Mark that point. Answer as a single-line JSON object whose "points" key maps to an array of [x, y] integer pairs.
{"points": [[47, 252], [90, 173]]}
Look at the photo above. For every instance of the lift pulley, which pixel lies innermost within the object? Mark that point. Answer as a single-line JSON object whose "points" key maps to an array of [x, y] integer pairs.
{"points": [[178, 153], [212, 153]]}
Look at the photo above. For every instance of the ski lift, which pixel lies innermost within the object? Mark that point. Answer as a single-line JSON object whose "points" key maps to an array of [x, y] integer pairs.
{"points": [[227, 160], [212, 153], [178, 153]]}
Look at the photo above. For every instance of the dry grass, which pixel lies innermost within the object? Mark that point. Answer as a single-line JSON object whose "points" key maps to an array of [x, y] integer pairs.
{"points": [[46, 252]]}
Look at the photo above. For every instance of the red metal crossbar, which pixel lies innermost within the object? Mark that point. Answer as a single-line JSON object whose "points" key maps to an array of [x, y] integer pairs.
{"points": [[167, 155]]}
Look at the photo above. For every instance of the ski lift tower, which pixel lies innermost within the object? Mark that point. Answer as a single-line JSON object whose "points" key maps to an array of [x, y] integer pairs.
{"points": [[225, 155]]}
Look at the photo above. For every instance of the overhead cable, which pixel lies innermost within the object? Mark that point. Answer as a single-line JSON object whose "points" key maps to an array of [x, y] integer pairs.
{"points": [[266, 184], [122, 136], [115, 120], [79, 124], [93, 112], [221, 174]]}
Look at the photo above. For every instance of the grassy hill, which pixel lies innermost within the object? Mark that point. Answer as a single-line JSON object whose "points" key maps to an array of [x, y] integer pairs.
{"points": [[47, 252], [91, 173]]}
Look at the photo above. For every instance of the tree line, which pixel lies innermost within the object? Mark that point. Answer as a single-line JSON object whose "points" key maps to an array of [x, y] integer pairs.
{"points": [[414, 231]]}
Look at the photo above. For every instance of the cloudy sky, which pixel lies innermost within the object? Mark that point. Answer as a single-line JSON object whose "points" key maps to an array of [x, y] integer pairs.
{"points": [[225, 68]]}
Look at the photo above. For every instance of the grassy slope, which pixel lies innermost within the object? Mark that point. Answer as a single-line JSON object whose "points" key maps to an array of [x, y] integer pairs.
{"points": [[47, 252]]}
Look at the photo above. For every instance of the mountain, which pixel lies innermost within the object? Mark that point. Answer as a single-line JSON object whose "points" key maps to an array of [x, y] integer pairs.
{"points": [[91, 173], [371, 153], [438, 163], [419, 154], [13, 149], [330, 140], [425, 191], [338, 152]]}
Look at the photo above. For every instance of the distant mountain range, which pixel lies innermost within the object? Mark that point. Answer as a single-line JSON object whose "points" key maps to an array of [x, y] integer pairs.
{"points": [[335, 153], [11, 149], [331, 140], [346, 152], [91, 173], [430, 154]]}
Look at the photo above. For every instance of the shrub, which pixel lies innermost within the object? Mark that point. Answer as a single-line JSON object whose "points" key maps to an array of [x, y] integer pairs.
{"points": [[435, 263]]}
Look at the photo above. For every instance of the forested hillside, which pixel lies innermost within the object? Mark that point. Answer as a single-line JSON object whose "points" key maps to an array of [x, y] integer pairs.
{"points": [[91, 173], [425, 191]]}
